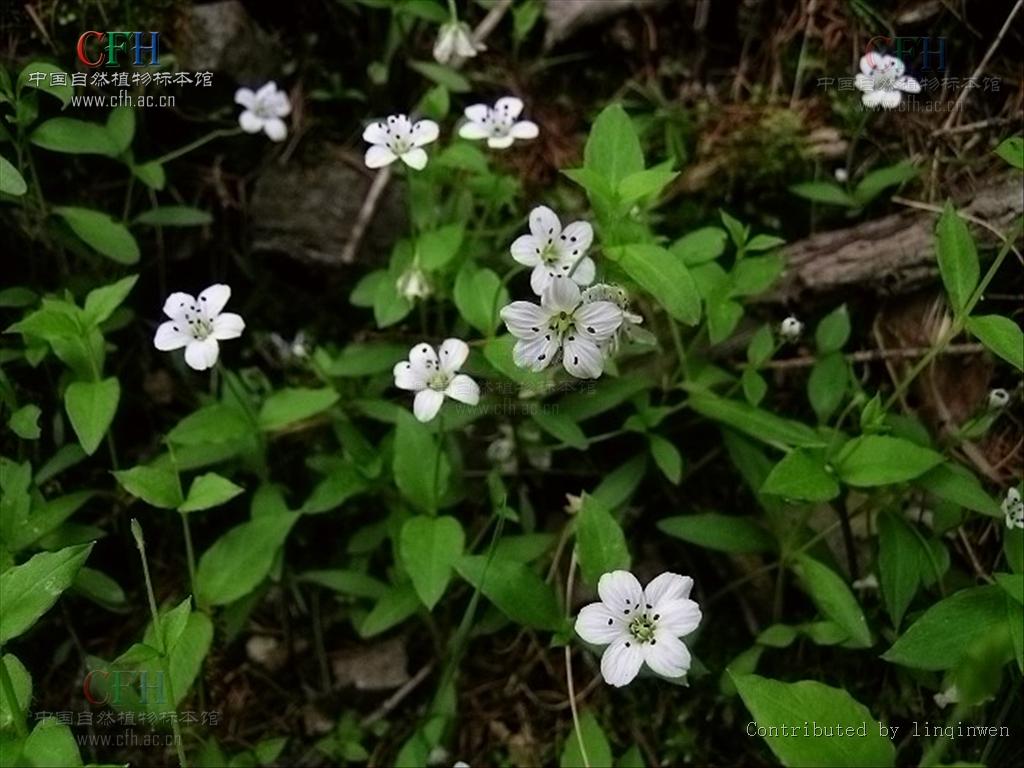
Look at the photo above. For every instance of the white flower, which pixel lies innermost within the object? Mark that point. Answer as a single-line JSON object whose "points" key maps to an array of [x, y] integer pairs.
{"points": [[399, 138], [1013, 508], [498, 124], [997, 399], [949, 696], [631, 321], [413, 284], [841, 175], [197, 325], [263, 110], [868, 582], [432, 376], [554, 252], [883, 82], [640, 625], [791, 328], [562, 324], [455, 39]]}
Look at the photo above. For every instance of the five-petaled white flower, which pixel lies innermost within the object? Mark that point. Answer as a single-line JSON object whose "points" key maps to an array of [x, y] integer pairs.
{"points": [[562, 324], [882, 80], [498, 124], [1013, 508], [197, 325], [640, 625], [553, 251], [998, 398], [434, 375], [398, 138], [263, 110], [455, 39], [791, 328]]}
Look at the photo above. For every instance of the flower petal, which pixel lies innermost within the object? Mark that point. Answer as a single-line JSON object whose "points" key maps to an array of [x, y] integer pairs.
{"points": [[584, 272], [524, 319], [526, 250], [891, 99], [510, 106], [872, 98], [427, 403], [535, 354], [576, 238], [179, 306], [473, 131], [250, 122], [598, 320], [376, 133], [477, 112], [266, 91], [621, 662], [281, 105], [561, 296], [908, 85], [598, 625], [621, 592], [275, 129], [408, 377], [425, 132], [582, 357], [864, 83], [201, 355], [378, 156], [666, 655], [170, 336], [415, 158], [501, 142], [667, 586], [423, 358], [541, 277], [228, 325], [463, 389], [246, 97], [869, 62], [679, 617], [212, 300], [452, 354], [524, 130], [544, 225]]}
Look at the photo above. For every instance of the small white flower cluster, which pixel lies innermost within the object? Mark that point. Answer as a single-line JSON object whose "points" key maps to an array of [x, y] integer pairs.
{"points": [[263, 111], [883, 81], [198, 325], [434, 375], [640, 625], [1013, 509]]}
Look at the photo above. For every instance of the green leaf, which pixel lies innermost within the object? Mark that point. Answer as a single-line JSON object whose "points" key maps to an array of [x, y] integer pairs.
{"points": [[802, 475], [352, 583], [738, 233], [1012, 151], [900, 560], [827, 384], [723, 316], [11, 182], [942, 637], [435, 249], [157, 487], [62, 92], [121, 128], [667, 457], [91, 406], [764, 243], [101, 302], [775, 704], [240, 559], [1001, 335], [700, 246], [430, 548], [442, 75], [663, 276], [824, 192], [29, 590], [151, 174], [478, 296], [834, 599], [24, 422], [641, 184], [388, 306], [50, 743], [613, 148], [517, 591], [106, 236], [873, 460], [958, 258], [874, 183], [600, 542], [951, 482], [755, 274], [341, 484], [174, 216], [833, 331], [562, 427], [208, 491], [759, 424], [599, 751], [214, 423], [358, 359], [754, 386], [78, 137], [618, 486], [99, 588], [394, 606], [498, 352], [724, 533], [21, 682], [288, 406], [761, 347], [421, 469]]}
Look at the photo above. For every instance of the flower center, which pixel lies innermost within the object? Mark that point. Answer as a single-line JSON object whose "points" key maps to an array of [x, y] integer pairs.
{"points": [[885, 81], [562, 323], [439, 381], [500, 124], [642, 628]]}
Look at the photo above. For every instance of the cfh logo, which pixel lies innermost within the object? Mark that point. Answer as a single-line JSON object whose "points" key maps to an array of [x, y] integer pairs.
{"points": [[103, 686], [99, 49], [926, 53]]}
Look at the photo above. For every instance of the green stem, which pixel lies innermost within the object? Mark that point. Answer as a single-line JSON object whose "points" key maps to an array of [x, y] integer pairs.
{"points": [[174, 154], [190, 555], [15, 705]]}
